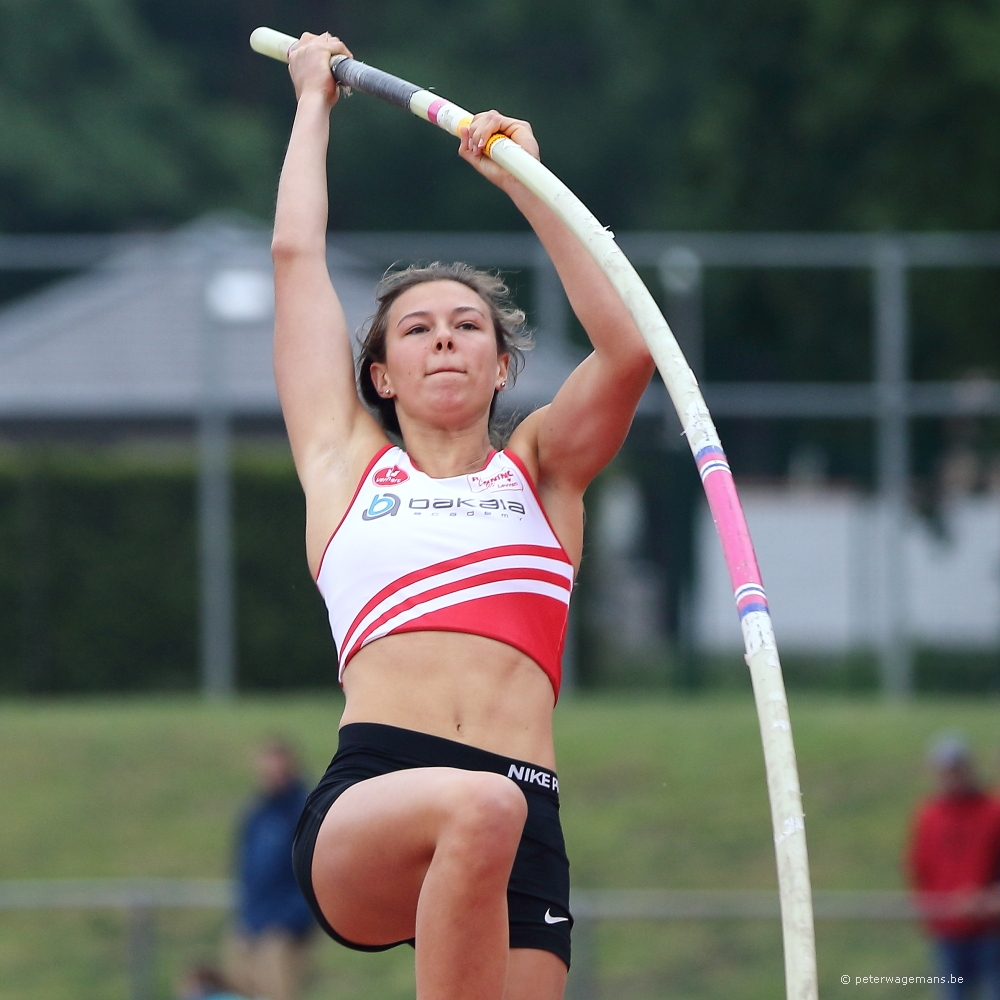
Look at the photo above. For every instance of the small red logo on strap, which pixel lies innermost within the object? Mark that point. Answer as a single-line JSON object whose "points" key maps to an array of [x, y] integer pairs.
{"points": [[390, 476]]}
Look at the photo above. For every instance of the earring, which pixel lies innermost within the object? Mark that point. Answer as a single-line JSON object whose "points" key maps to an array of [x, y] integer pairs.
{"points": [[386, 391], [503, 384]]}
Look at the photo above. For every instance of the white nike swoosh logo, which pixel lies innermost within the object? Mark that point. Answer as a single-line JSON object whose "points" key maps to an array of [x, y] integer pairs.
{"points": [[549, 919]]}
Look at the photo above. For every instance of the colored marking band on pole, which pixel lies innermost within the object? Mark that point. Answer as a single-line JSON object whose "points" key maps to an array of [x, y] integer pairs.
{"points": [[449, 116], [438, 111], [711, 459], [749, 598], [492, 141]]}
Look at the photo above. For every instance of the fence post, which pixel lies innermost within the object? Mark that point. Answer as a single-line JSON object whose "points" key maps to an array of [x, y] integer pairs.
{"points": [[551, 310], [891, 350], [140, 944], [582, 981], [215, 515], [551, 307], [681, 275]]}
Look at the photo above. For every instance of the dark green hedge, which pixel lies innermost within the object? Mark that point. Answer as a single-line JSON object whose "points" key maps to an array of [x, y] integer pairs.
{"points": [[98, 578], [98, 586]]}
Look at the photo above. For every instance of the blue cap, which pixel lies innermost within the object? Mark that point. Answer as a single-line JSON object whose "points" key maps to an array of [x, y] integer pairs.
{"points": [[949, 751]]}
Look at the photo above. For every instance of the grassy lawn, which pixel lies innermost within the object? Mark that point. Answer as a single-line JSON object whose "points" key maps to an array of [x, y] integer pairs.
{"points": [[657, 791]]}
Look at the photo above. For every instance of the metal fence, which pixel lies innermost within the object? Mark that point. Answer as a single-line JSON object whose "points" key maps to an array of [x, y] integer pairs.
{"points": [[142, 899], [890, 400]]}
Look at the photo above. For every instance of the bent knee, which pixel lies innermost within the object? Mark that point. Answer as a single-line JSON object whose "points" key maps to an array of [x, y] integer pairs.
{"points": [[488, 810]]}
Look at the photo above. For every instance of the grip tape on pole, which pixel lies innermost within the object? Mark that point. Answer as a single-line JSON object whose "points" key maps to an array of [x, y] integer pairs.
{"points": [[347, 72], [367, 79]]}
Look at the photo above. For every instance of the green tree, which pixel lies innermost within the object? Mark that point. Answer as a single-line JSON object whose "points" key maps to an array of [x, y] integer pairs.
{"points": [[775, 114], [730, 114], [101, 129]]}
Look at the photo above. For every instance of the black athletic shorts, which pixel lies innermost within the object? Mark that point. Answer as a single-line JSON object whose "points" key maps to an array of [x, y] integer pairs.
{"points": [[538, 889]]}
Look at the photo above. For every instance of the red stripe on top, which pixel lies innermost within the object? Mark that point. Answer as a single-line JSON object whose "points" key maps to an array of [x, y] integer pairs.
{"points": [[534, 489], [458, 562], [495, 576], [516, 619], [361, 482]]}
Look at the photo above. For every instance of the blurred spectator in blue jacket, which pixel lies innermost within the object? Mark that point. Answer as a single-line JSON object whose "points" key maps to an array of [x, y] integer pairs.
{"points": [[267, 950]]}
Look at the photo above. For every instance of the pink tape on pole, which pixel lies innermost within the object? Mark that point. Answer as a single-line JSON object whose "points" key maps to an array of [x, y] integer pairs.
{"points": [[727, 512], [435, 107]]}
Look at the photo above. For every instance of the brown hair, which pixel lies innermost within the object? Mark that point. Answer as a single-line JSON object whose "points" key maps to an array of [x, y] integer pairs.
{"points": [[508, 327]]}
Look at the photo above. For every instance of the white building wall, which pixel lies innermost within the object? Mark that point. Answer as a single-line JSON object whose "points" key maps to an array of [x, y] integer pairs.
{"points": [[819, 553], [954, 580]]}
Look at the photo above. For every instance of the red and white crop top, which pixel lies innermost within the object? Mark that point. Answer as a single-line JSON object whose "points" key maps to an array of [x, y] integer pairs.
{"points": [[471, 554]]}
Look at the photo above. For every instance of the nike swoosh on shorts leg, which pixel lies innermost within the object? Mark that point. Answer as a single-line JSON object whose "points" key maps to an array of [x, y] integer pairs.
{"points": [[549, 919]]}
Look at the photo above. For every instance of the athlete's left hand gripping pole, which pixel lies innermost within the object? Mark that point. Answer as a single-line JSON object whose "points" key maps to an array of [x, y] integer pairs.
{"points": [[787, 819], [359, 76]]}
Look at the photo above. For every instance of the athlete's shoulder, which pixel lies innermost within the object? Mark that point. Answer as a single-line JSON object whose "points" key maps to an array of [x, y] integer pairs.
{"points": [[522, 447]]}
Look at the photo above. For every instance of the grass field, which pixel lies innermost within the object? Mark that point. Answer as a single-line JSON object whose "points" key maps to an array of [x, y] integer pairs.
{"points": [[656, 792]]}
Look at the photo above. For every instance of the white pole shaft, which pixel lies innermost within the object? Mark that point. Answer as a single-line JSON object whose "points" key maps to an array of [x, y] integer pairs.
{"points": [[761, 650]]}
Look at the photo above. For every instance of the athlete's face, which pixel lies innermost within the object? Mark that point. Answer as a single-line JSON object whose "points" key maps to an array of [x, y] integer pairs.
{"points": [[442, 365]]}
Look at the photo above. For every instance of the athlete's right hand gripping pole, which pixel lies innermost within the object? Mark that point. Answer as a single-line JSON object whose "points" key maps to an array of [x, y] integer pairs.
{"points": [[751, 603]]}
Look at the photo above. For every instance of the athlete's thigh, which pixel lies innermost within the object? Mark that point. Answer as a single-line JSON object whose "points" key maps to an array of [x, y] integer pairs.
{"points": [[533, 974], [377, 841]]}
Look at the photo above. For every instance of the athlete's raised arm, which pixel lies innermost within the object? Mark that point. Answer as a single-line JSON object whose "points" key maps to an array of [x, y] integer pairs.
{"points": [[585, 425], [329, 430]]}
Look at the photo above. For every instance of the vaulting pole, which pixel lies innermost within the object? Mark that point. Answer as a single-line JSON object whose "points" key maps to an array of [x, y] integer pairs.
{"points": [[751, 603]]}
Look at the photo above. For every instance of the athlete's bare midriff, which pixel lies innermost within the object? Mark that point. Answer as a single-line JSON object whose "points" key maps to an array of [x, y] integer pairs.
{"points": [[461, 687]]}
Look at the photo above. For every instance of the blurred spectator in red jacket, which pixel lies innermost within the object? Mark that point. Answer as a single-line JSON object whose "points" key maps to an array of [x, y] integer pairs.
{"points": [[954, 863]]}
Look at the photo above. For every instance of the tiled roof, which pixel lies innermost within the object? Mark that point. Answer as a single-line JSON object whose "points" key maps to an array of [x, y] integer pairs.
{"points": [[124, 340]]}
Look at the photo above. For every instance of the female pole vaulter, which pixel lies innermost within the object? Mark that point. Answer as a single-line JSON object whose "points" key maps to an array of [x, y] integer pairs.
{"points": [[447, 568]]}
